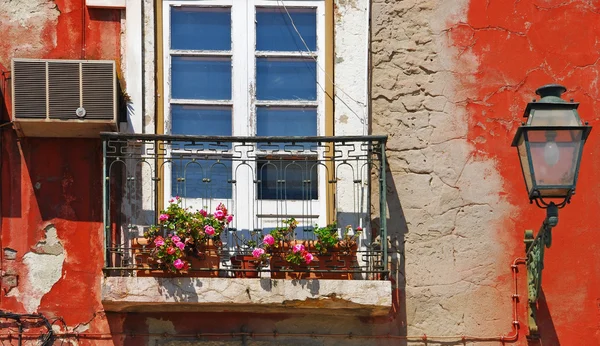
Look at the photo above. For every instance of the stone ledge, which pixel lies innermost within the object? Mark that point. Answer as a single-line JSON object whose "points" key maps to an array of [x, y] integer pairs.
{"points": [[149, 294]]}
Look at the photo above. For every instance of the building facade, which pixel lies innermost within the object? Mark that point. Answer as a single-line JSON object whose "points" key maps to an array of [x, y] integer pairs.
{"points": [[441, 200]]}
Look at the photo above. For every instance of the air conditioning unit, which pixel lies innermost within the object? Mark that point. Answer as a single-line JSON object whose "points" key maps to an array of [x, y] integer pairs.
{"points": [[64, 98]]}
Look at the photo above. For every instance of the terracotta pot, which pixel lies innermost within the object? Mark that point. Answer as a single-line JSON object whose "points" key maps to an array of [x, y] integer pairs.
{"points": [[245, 262], [203, 263], [335, 259]]}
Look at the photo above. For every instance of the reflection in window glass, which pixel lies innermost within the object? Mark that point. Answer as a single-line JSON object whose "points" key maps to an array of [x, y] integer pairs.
{"points": [[286, 121], [201, 179], [287, 179], [274, 30], [201, 28], [201, 78], [286, 79]]}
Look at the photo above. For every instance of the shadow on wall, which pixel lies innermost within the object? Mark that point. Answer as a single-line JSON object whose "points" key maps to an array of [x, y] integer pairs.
{"points": [[397, 228], [65, 175], [546, 328], [234, 328]]}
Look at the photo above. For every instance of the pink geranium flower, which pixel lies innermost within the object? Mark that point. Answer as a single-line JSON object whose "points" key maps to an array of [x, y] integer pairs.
{"points": [[180, 245], [308, 257], [203, 212], [178, 263], [229, 218], [163, 217], [209, 230], [256, 253], [159, 241], [268, 239], [175, 239], [219, 214], [298, 248]]}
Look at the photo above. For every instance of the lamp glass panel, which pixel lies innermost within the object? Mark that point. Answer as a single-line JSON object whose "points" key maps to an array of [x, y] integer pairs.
{"points": [[554, 117], [555, 156], [524, 159], [548, 193]]}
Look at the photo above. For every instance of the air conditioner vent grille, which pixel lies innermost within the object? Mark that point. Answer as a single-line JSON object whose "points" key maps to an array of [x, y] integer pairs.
{"points": [[30, 95], [63, 90], [98, 90]]}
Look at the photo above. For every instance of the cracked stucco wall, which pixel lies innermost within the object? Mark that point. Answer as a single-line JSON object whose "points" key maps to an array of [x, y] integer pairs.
{"points": [[445, 210]]}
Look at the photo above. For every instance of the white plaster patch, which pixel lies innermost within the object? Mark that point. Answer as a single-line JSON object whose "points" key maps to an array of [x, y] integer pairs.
{"points": [[44, 265]]}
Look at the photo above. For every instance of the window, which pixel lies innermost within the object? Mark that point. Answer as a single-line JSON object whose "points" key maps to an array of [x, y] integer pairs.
{"points": [[245, 68]]}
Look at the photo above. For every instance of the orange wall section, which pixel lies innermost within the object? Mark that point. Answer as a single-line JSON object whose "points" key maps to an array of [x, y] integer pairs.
{"points": [[519, 46]]}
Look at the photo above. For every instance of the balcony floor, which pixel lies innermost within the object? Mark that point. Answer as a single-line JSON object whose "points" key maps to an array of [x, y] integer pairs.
{"points": [[329, 297]]}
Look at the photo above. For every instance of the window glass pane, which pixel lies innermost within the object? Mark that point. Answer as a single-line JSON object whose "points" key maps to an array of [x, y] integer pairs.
{"points": [[287, 179], [286, 79], [200, 120], [275, 32], [272, 121], [201, 28], [201, 78], [188, 179]]}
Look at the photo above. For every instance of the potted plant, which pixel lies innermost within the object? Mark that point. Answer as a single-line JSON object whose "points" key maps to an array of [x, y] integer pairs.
{"points": [[333, 257], [289, 258], [335, 252], [246, 258], [185, 240]]}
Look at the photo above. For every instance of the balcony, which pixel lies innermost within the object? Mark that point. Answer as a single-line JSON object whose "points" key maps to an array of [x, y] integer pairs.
{"points": [[263, 182]]}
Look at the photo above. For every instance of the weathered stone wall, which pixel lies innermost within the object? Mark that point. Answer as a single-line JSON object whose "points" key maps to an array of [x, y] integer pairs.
{"points": [[444, 208]]}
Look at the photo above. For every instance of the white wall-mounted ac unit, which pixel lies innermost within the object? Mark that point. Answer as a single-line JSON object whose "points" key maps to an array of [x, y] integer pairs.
{"points": [[64, 98]]}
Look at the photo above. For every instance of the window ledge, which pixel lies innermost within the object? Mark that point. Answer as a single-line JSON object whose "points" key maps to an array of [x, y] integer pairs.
{"points": [[106, 3], [149, 294]]}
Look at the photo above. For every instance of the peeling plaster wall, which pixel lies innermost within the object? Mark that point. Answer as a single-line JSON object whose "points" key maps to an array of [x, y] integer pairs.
{"points": [[450, 82], [51, 208]]}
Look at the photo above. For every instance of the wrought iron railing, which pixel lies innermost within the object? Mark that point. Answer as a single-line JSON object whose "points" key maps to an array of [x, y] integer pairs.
{"points": [[263, 181]]}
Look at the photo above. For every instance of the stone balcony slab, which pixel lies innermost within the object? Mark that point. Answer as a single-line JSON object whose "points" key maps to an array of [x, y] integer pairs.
{"points": [[150, 294]]}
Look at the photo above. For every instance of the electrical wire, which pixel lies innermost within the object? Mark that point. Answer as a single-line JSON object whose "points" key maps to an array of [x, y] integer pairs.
{"points": [[312, 56]]}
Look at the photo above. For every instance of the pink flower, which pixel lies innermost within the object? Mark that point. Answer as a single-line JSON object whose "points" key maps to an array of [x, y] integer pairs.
{"points": [[268, 239], [159, 241], [222, 208], [180, 245], [163, 217], [208, 229], [298, 248], [358, 229], [178, 263], [170, 250], [308, 257], [229, 218], [175, 239], [219, 214], [256, 253], [177, 198], [203, 212], [171, 200]]}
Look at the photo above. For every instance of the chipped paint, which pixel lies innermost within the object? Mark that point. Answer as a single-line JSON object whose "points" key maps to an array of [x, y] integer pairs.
{"points": [[44, 265]]}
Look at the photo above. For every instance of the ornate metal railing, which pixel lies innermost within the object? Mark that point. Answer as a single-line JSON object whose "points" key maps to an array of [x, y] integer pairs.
{"points": [[262, 181]]}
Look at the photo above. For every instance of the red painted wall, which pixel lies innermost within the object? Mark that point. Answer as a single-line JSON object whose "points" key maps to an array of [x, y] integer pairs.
{"points": [[519, 46], [55, 181]]}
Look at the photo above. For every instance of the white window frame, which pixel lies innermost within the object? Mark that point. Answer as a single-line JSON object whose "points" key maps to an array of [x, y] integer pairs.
{"points": [[243, 28]]}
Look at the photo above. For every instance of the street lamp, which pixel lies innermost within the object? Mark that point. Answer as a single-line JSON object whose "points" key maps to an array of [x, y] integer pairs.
{"points": [[550, 145]]}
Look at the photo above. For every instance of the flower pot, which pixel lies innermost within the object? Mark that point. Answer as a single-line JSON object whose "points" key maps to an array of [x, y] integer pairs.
{"points": [[337, 259], [203, 263], [245, 262]]}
